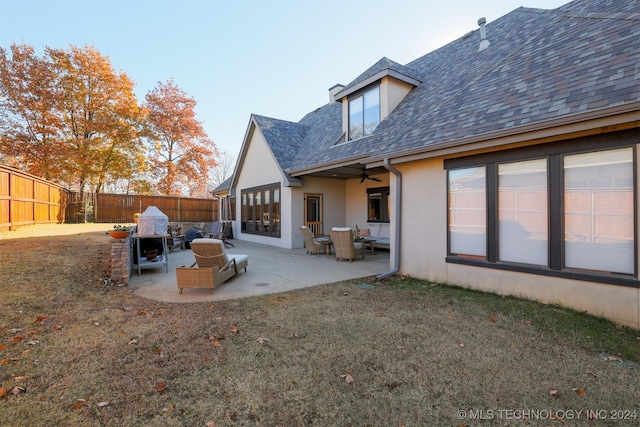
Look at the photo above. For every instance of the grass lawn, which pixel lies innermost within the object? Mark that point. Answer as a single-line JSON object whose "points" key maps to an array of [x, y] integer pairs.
{"points": [[75, 351]]}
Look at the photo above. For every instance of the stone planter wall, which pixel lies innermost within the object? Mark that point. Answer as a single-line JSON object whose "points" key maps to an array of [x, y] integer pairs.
{"points": [[121, 260]]}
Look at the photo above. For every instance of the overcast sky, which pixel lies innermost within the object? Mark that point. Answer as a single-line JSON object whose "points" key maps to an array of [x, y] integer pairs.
{"points": [[235, 58]]}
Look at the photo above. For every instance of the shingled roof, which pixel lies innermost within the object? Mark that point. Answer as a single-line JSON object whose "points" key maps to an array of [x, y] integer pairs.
{"points": [[541, 65]]}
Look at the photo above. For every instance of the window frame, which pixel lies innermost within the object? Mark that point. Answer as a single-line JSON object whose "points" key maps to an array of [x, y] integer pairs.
{"points": [[385, 194], [250, 223], [361, 95], [554, 153]]}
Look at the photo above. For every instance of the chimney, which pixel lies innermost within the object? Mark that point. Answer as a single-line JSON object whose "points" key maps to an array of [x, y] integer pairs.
{"points": [[484, 43], [333, 90]]}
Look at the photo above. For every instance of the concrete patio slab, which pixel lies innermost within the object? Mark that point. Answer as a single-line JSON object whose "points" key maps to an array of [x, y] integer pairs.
{"points": [[271, 270]]}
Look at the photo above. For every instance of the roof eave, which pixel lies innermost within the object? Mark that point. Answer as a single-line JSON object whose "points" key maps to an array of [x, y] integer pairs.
{"points": [[344, 161], [610, 119], [374, 78]]}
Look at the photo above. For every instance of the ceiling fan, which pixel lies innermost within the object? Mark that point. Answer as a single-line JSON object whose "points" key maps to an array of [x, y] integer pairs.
{"points": [[366, 176]]}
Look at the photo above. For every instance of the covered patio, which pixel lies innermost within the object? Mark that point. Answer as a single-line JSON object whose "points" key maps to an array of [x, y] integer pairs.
{"points": [[271, 270]]}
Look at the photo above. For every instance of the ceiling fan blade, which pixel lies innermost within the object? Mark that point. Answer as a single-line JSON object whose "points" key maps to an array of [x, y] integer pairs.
{"points": [[364, 176], [374, 179]]}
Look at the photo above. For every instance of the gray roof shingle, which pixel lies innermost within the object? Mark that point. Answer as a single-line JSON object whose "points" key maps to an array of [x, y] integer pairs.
{"points": [[541, 65]]}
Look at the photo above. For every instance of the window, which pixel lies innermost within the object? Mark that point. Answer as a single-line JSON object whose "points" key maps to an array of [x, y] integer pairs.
{"points": [[548, 210], [378, 204], [261, 210], [522, 212], [468, 212], [364, 113], [598, 216]]}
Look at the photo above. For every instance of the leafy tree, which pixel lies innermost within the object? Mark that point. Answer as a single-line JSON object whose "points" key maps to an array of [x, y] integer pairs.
{"points": [[68, 116], [181, 153], [30, 120], [101, 118]]}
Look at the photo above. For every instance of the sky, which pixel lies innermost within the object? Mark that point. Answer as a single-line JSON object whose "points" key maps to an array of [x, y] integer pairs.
{"points": [[276, 58]]}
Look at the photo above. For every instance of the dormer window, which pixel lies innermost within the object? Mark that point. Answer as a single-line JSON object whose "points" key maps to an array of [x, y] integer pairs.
{"points": [[364, 113]]}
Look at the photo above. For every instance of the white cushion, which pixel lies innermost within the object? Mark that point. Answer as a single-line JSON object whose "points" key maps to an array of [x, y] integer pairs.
{"points": [[239, 258], [341, 229]]}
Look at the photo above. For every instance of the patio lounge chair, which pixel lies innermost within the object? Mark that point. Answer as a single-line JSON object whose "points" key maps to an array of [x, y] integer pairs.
{"points": [[312, 246], [346, 247], [215, 266]]}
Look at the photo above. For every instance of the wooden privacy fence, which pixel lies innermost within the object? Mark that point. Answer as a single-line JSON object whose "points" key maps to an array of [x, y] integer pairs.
{"points": [[119, 208], [26, 199]]}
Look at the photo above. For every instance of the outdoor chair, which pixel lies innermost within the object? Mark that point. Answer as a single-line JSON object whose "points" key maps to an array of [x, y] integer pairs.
{"points": [[221, 231], [216, 229], [214, 265], [310, 242], [346, 247]]}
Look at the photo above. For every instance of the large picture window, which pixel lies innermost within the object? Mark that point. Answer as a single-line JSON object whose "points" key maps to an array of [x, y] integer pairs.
{"points": [[522, 212], [598, 216], [261, 210], [364, 113], [548, 210], [468, 212]]}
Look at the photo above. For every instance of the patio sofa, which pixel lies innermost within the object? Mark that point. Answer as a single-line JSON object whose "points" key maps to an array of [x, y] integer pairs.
{"points": [[379, 232]]}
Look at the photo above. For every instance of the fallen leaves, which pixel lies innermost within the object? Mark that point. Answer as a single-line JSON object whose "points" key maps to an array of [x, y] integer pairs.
{"points": [[579, 391], [347, 378], [79, 404], [161, 387], [18, 390]]}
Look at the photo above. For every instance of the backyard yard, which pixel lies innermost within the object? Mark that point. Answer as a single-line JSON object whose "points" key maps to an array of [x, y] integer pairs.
{"points": [[76, 350]]}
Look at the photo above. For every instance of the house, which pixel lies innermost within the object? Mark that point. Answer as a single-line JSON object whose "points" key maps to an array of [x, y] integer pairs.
{"points": [[505, 161]]}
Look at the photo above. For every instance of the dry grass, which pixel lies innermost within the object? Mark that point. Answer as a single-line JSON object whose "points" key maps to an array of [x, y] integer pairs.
{"points": [[403, 352]]}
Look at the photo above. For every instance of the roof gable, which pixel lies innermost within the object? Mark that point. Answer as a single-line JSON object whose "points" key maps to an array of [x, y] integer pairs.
{"points": [[384, 67]]}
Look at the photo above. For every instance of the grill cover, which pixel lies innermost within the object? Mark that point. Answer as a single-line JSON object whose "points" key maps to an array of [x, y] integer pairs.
{"points": [[152, 221]]}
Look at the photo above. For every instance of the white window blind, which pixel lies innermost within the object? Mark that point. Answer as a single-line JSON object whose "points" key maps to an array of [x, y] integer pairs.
{"points": [[599, 211], [468, 212], [523, 212]]}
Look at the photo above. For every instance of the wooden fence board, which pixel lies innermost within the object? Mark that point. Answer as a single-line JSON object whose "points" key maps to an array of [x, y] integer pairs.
{"points": [[26, 199]]}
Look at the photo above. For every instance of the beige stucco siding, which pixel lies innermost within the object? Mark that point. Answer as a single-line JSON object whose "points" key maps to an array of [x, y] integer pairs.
{"points": [[260, 168], [333, 209], [392, 91], [424, 223], [423, 255]]}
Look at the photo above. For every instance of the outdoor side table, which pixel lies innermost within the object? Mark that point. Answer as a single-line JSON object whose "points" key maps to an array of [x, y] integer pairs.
{"points": [[367, 241], [326, 243], [161, 260]]}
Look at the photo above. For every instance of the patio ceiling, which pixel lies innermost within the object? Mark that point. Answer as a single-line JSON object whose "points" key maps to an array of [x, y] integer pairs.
{"points": [[347, 172]]}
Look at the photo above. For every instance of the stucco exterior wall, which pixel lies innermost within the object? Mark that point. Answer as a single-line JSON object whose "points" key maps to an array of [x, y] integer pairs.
{"points": [[392, 91], [333, 198], [260, 168], [356, 209], [423, 254]]}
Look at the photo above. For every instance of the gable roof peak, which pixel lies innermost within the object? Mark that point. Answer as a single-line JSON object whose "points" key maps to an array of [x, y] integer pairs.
{"points": [[382, 68]]}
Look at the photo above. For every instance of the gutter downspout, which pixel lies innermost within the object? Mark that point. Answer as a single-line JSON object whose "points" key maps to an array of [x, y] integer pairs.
{"points": [[396, 222]]}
